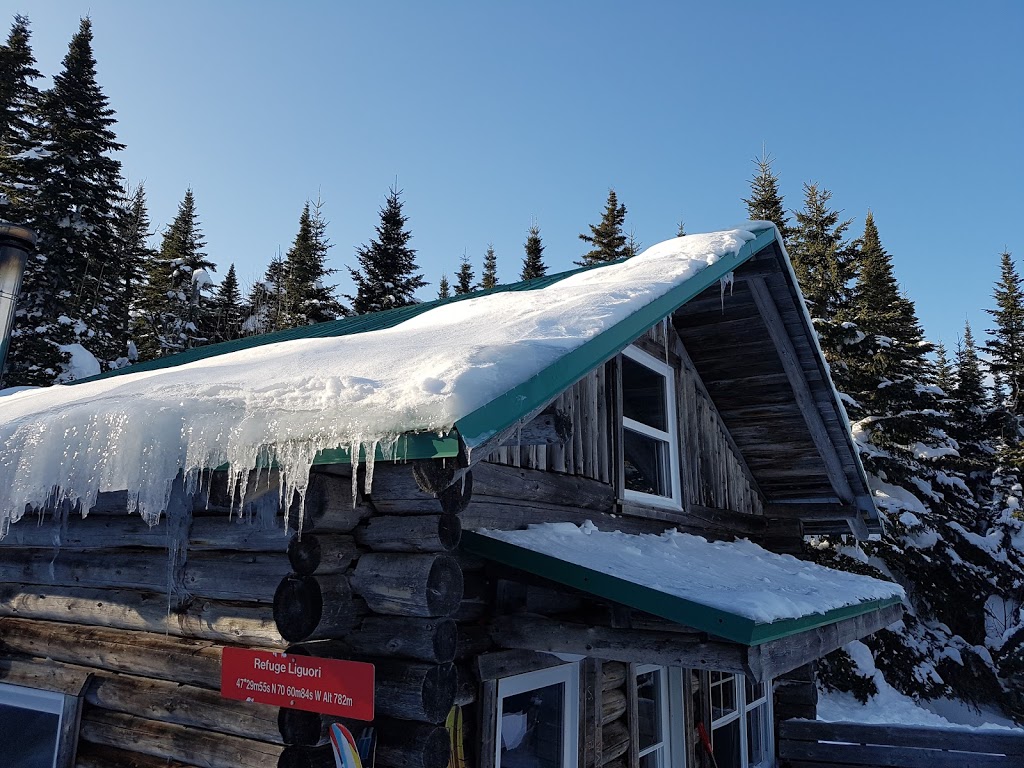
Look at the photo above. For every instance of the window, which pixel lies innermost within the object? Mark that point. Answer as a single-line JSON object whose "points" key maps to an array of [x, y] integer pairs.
{"points": [[538, 721], [653, 732], [650, 448], [30, 723], [741, 721]]}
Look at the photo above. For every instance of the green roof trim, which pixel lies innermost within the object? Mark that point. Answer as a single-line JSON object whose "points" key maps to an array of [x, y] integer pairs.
{"points": [[416, 445], [507, 409], [714, 621]]}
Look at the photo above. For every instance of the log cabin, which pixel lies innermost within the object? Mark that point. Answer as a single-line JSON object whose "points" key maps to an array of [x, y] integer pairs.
{"points": [[590, 559]]}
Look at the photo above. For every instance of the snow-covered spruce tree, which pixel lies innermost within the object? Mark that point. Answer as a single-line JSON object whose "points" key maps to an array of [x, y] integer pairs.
{"points": [[489, 278], [265, 307], [607, 239], [938, 541], [824, 261], [308, 299], [387, 277], [175, 309], [132, 232], [1006, 341], [226, 309], [444, 288], [464, 277], [69, 284], [533, 260], [19, 132], [765, 202]]}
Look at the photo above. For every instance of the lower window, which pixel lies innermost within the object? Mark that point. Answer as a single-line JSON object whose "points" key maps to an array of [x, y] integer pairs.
{"points": [[741, 721], [538, 719], [30, 723]]}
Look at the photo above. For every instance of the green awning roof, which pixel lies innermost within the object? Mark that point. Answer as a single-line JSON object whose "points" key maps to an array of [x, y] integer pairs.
{"points": [[823, 596]]}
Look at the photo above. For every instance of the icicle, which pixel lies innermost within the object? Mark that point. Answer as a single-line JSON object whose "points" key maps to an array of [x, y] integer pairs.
{"points": [[371, 454], [664, 334], [354, 452], [727, 280]]}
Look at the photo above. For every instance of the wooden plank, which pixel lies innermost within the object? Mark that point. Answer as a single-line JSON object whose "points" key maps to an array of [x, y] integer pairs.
{"points": [[801, 390], [887, 756], [45, 675], [592, 709], [632, 717], [488, 736], [494, 666], [776, 657], [923, 737], [548, 487], [662, 648]]}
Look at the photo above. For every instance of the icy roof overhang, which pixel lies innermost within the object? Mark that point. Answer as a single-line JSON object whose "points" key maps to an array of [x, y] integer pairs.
{"points": [[733, 590]]}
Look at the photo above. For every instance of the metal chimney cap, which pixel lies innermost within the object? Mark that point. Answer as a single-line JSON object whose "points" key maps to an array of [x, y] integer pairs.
{"points": [[17, 236]]}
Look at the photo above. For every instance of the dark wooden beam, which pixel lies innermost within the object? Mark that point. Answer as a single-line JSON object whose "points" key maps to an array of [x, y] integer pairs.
{"points": [[550, 427], [812, 511], [801, 389], [695, 651], [777, 657]]}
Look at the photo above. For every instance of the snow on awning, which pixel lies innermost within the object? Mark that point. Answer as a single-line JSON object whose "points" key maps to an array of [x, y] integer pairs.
{"points": [[734, 590]]}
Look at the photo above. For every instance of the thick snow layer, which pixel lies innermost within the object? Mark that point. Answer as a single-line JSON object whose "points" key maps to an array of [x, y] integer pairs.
{"points": [[81, 363], [291, 399], [739, 577], [889, 706]]}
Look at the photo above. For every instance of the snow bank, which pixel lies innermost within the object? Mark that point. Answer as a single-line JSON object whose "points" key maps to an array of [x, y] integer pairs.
{"points": [[739, 577], [292, 399]]}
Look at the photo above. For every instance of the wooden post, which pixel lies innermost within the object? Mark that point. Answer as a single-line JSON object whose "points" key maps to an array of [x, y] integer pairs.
{"points": [[413, 691], [314, 607], [432, 640], [411, 533], [321, 553]]}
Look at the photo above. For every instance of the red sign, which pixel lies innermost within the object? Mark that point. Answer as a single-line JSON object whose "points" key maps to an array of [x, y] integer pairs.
{"points": [[328, 686]]}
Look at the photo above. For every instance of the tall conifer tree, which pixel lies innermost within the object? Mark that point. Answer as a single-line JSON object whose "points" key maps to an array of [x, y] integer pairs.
{"points": [[387, 277], [19, 129], [607, 239], [444, 288], [533, 261], [70, 283], [227, 308], [307, 299], [1006, 340], [133, 253], [489, 278], [265, 308], [464, 277], [766, 202]]}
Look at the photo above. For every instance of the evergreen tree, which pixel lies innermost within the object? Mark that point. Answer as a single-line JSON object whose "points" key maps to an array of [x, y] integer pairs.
{"points": [[607, 239], [824, 263], [227, 308], [19, 106], [175, 306], [265, 307], [968, 422], [633, 246], [533, 261], [1006, 341], [765, 202], [70, 283], [489, 279], [945, 378], [307, 299], [464, 277], [444, 289], [132, 252], [387, 278], [681, 229]]}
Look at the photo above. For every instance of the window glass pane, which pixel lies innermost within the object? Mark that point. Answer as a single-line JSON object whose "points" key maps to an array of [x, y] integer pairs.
{"points": [[755, 691], [653, 759], [646, 461], [531, 728], [755, 736], [28, 737], [725, 740], [643, 395], [723, 695], [648, 705]]}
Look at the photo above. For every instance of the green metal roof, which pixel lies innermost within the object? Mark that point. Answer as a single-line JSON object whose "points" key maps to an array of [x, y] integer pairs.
{"points": [[518, 402], [691, 613]]}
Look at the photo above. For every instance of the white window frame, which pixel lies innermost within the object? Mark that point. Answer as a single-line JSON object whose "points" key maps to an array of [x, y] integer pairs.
{"points": [[565, 674], [664, 705], [743, 707], [671, 437], [34, 699]]}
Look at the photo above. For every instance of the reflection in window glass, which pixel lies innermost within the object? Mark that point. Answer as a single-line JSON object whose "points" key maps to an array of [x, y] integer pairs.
{"points": [[646, 462], [755, 736], [725, 740], [648, 702], [643, 395], [28, 738], [531, 728]]}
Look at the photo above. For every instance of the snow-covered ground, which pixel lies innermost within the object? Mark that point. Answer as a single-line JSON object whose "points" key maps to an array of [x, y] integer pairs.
{"points": [[889, 706]]}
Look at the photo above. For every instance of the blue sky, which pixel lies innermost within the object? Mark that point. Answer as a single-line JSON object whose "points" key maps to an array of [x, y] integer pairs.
{"points": [[493, 115]]}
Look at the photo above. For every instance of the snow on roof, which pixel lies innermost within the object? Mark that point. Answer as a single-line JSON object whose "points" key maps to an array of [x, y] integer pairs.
{"points": [[736, 577], [292, 399]]}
